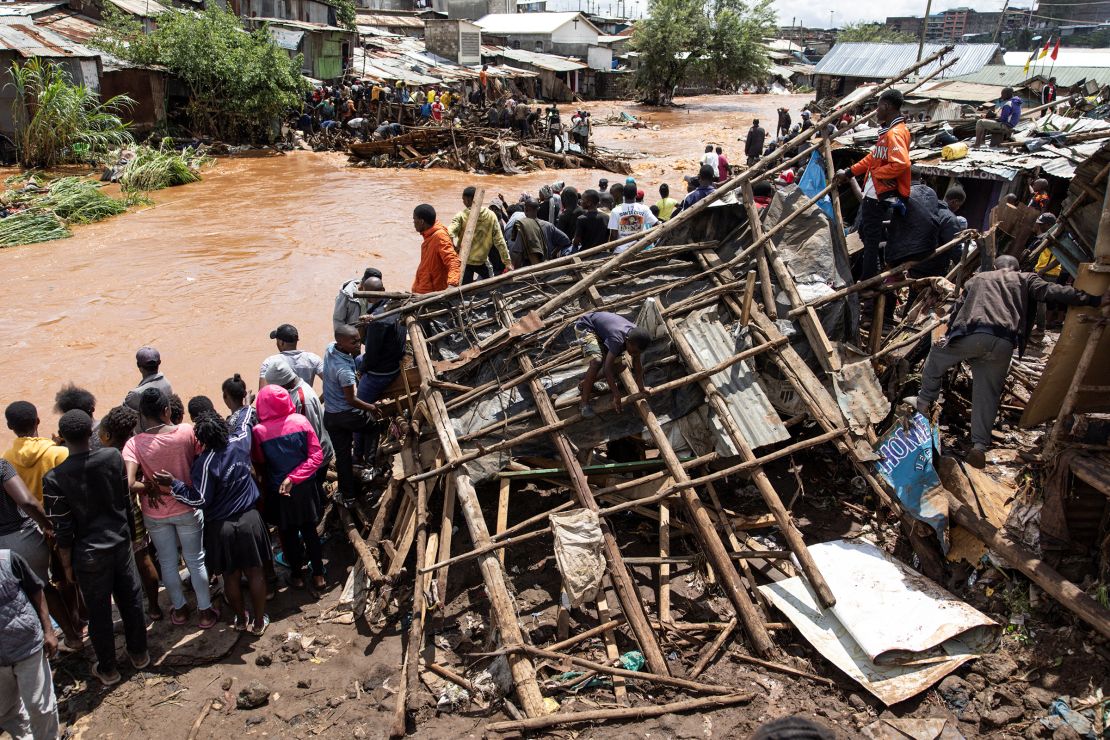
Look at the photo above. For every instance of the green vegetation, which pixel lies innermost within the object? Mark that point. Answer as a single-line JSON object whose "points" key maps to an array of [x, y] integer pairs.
{"points": [[154, 169], [31, 227], [57, 122], [239, 81], [681, 39], [872, 32], [344, 13], [80, 201]]}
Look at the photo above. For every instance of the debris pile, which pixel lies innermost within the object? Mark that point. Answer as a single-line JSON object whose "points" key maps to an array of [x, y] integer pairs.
{"points": [[754, 374]]}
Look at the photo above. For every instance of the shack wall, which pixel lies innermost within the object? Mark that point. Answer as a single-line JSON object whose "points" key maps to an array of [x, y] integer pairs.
{"points": [[146, 87]]}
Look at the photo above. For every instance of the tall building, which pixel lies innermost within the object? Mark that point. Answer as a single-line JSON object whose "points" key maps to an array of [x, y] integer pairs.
{"points": [[959, 24], [1064, 12]]}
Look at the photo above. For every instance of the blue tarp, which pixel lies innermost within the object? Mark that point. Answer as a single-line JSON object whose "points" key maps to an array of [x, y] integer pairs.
{"points": [[814, 181]]}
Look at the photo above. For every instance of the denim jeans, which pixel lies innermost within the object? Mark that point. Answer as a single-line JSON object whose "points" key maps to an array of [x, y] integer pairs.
{"points": [[187, 530]]}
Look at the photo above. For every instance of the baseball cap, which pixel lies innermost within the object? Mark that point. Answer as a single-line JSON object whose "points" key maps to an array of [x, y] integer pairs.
{"points": [[286, 333], [148, 356], [1046, 218], [640, 194], [805, 114]]}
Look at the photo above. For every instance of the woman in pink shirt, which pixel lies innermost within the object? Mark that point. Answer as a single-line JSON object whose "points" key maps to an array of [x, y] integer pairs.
{"points": [[162, 446]]}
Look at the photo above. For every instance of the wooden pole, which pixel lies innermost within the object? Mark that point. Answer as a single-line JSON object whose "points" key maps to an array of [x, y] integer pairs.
{"points": [[471, 227], [364, 554], [766, 490], [621, 714], [875, 336], [501, 604], [713, 649], [749, 294], [765, 286], [664, 680], [705, 531]]}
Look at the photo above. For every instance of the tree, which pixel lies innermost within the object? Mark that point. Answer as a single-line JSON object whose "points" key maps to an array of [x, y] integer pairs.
{"points": [[872, 32], [57, 121], [721, 39], [239, 81]]}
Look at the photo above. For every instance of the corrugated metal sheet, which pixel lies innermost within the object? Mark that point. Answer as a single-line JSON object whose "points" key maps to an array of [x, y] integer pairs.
{"points": [[1001, 74], [748, 405], [388, 59], [26, 10], [31, 41], [385, 20], [539, 60], [1068, 57], [878, 61], [73, 26], [1005, 164], [508, 24], [958, 91], [141, 8], [287, 38], [299, 25]]}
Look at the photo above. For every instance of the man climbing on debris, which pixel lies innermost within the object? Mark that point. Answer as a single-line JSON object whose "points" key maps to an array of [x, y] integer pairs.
{"points": [[753, 144], [488, 239], [988, 321], [604, 338], [887, 169], [439, 263], [1009, 114]]}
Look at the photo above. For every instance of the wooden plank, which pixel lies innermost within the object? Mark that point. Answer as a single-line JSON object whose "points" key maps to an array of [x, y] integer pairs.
{"points": [[503, 513], [664, 567], [620, 690], [446, 532], [471, 227]]}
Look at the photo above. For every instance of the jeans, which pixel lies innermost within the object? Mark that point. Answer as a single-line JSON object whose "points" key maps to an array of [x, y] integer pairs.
{"points": [[871, 232], [27, 705], [342, 427], [475, 272], [114, 575], [188, 530], [989, 358]]}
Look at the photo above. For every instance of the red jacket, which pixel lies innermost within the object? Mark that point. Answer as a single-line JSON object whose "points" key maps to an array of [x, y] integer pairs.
{"points": [[439, 263], [888, 162]]}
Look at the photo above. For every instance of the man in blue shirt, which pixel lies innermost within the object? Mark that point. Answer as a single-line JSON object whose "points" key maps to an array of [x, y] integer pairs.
{"points": [[345, 414], [1009, 114], [605, 337], [706, 180]]}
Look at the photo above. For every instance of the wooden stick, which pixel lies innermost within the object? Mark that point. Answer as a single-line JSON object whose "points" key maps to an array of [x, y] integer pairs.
{"points": [[664, 564], [471, 226], [620, 691], [446, 532], [749, 293], [502, 513], [756, 222], [781, 668], [501, 604], [875, 337], [621, 714], [364, 554], [607, 626], [713, 649], [194, 731]]}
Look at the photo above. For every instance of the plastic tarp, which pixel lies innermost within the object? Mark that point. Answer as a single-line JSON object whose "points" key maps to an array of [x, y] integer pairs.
{"points": [[906, 466], [578, 553], [814, 181], [892, 630]]}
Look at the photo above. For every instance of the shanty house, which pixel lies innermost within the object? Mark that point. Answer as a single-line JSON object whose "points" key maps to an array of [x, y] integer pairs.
{"points": [[306, 11], [560, 78], [145, 11], [570, 34], [474, 9], [327, 49], [397, 23], [851, 64], [22, 41]]}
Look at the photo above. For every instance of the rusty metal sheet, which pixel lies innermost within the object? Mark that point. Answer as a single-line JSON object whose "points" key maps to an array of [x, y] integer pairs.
{"points": [[738, 385], [893, 631], [859, 394]]}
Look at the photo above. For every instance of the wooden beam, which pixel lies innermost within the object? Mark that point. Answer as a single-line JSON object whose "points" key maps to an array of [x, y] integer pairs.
{"points": [[471, 227], [617, 715]]}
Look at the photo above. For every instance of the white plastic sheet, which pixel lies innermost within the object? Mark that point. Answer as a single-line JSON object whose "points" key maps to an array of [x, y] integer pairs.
{"points": [[578, 553]]}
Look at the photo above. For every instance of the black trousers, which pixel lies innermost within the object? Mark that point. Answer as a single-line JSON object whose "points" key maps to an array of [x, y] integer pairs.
{"points": [[871, 232], [476, 272], [342, 427], [301, 544], [114, 575]]}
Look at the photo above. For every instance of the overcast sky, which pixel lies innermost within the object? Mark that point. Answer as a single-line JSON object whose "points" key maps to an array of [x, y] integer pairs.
{"points": [[807, 12]]}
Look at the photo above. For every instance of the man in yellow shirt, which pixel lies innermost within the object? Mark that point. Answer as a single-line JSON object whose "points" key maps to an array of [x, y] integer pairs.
{"points": [[666, 204], [489, 241], [431, 96]]}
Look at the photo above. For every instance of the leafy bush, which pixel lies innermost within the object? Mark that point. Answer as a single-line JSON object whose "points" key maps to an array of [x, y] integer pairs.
{"points": [[58, 122]]}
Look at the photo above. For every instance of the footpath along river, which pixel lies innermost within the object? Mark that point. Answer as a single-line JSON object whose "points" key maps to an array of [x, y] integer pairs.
{"points": [[208, 271]]}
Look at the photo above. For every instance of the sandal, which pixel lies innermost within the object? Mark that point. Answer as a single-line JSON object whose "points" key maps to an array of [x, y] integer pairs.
{"points": [[240, 625], [180, 616], [155, 616], [108, 679], [65, 646], [259, 631], [139, 662], [210, 622]]}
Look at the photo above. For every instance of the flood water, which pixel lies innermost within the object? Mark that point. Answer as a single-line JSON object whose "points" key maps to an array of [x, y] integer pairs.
{"points": [[207, 272]]}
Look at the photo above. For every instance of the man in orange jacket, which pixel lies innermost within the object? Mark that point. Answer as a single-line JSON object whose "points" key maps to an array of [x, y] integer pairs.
{"points": [[439, 263], [887, 167]]}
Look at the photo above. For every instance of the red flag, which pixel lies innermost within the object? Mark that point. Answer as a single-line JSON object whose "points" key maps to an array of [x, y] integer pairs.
{"points": [[1055, 50]]}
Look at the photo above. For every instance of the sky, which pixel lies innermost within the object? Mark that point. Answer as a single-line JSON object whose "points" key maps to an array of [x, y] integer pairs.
{"points": [[806, 12]]}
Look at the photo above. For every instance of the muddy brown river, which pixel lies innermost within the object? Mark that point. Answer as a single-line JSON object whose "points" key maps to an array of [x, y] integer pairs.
{"points": [[208, 271]]}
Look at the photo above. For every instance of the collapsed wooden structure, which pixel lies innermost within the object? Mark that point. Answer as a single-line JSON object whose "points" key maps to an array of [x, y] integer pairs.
{"points": [[745, 351]]}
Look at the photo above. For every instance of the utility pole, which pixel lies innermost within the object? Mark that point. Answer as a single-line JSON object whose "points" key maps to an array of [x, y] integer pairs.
{"points": [[924, 30], [1001, 20]]}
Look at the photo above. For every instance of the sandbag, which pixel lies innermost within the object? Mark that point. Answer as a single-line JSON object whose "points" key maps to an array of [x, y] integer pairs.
{"points": [[578, 553]]}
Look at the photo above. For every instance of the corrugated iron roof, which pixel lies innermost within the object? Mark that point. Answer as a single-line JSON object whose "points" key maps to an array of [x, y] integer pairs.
{"points": [[141, 8], [1067, 57], [508, 24], [1001, 74], [299, 25], [388, 59], [539, 60], [25, 10], [958, 91], [385, 20], [879, 61], [30, 41], [73, 26]]}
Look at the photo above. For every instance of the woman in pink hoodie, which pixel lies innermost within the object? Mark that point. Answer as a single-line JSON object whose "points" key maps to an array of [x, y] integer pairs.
{"points": [[287, 453]]}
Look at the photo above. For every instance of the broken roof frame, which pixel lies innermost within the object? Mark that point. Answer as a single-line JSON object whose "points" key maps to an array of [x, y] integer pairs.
{"points": [[483, 342]]}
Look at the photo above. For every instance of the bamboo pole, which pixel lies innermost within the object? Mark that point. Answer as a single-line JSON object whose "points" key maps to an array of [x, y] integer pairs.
{"points": [[501, 604]]}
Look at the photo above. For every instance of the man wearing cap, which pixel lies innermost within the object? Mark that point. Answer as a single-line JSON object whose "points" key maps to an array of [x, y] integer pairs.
{"points": [[305, 364], [148, 361]]}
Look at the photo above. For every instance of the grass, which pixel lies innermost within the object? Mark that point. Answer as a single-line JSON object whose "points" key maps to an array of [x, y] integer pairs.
{"points": [[154, 169], [80, 201], [31, 227], [45, 213]]}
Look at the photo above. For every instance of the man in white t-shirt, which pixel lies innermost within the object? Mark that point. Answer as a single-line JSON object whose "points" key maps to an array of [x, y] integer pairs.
{"points": [[630, 217], [712, 160]]}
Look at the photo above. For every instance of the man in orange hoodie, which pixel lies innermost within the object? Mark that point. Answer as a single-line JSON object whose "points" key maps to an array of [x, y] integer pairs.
{"points": [[887, 183], [439, 263]]}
